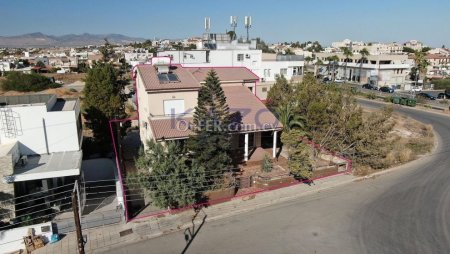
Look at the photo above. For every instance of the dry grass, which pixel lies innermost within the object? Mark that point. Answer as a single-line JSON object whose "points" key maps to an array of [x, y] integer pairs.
{"points": [[408, 140], [67, 78]]}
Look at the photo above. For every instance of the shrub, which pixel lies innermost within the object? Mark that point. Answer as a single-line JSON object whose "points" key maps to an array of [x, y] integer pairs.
{"points": [[22, 82], [266, 165], [405, 155], [421, 145], [388, 99], [371, 96]]}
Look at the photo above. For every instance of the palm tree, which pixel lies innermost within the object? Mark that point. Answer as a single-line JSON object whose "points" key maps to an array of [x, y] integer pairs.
{"points": [[347, 53], [364, 53], [307, 60], [316, 65], [421, 63], [333, 59], [287, 118]]}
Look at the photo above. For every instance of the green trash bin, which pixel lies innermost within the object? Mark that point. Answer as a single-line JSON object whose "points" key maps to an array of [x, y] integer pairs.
{"points": [[402, 101], [411, 102], [396, 100]]}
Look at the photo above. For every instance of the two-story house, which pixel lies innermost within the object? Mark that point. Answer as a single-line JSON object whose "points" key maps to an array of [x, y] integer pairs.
{"points": [[40, 147], [167, 97]]}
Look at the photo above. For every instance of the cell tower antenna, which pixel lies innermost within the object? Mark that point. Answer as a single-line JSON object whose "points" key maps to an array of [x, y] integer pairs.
{"points": [[207, 24], [248, 25], [233, 23]]}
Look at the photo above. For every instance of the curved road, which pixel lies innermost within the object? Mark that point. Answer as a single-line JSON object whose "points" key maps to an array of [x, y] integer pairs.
{"points": [[405, 211]]}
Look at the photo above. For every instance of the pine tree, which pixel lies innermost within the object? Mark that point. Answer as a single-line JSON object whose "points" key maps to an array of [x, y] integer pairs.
{"points": [[280, 93], [165, 173], [103, 100], [211, 143]]}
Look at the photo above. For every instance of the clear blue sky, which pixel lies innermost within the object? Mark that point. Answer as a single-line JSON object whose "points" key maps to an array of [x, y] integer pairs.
{"points": [[279, 20]]}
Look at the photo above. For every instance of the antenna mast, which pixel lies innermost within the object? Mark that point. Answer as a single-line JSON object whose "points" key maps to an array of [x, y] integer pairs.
{"points": [[233, 23], [248, 25]]}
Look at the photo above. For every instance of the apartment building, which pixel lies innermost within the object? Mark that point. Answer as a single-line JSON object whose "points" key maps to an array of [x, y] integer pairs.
{"points": [[40, 145], [381, 70], [167, 97]]}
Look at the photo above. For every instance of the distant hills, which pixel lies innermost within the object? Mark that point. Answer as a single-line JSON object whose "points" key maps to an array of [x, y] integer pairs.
{"points": [[68, 40]]}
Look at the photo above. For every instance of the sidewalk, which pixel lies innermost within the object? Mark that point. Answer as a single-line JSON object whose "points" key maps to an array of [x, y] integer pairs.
{"points": [[101, 239]]}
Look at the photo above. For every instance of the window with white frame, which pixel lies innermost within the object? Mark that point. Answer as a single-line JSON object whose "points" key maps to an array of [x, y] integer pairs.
{"points": [[266, 72], [240, 57], [173, 107], [283, 71]]}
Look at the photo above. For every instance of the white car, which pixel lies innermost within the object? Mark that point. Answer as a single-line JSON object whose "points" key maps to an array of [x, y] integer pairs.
{"points": [[416, 89], [338, 80]]}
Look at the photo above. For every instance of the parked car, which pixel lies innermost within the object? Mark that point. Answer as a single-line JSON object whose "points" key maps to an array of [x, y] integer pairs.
{"points": [[338, 80], [369, 86], [426, 96], [386, 89], [443, 96], [416, 89]]}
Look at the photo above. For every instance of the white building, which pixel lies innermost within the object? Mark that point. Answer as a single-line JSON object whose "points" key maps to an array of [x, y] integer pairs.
{"points": [[381, 70], [219, 51], [4, 66], [40, 143]]}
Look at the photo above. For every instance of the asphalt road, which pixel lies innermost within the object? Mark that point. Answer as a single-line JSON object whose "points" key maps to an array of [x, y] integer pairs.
{"points": [[405, 211]]}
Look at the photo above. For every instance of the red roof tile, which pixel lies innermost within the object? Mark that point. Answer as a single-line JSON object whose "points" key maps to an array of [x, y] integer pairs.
{"points": [[254, 116], [151, 82]]}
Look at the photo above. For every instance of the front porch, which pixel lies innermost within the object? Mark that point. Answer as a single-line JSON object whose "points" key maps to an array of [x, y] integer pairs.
{"points": [[248, 148]]}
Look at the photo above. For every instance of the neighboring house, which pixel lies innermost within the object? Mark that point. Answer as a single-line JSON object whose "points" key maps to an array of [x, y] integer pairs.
{"points": [[40, 145], [437, 61], [381, 70], [4, 66], [167, 96]]}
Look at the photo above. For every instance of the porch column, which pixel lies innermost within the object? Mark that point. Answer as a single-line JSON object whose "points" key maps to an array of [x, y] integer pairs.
{"points": [[274, 152], [246, 147]]}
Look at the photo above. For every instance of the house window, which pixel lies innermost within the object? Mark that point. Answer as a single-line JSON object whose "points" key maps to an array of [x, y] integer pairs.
{"points": [[173, 107], [240, 57], [266, 72], [264, 89], [283, 71]]}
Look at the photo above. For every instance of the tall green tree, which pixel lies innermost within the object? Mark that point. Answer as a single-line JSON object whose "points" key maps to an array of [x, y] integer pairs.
{"points": [[103, 100], [165, 173], [308, 59], [421, 64], [40, 64], [107, 51], [364, 53], [280, 92], [347, 53], [332, 63], [299, 153], [211, 143]]}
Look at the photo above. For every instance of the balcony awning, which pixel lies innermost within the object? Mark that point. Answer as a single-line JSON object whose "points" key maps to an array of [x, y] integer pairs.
{"points": [[45, 166]]}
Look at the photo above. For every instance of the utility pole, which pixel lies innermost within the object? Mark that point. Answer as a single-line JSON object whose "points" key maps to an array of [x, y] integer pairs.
{"points": [[76, 215]]}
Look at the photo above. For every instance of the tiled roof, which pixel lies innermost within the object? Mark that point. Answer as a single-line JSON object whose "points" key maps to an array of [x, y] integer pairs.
{"points": [[224, 73], [151, 82], [171, 128], [254, 116]]}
